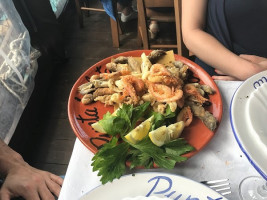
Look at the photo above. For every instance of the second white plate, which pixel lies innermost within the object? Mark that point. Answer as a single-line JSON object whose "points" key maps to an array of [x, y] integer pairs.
{"points": [[248, 120], [161, 185]]}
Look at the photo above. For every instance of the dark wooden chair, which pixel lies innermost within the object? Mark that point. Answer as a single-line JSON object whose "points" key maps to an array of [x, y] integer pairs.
{"points": [[175, 17], [84, 5]]}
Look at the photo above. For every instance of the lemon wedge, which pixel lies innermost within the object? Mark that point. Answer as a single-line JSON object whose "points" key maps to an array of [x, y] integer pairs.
{"points": [[175, 130], [163, 134], [140, 132], [97, 127], [159, 136]]}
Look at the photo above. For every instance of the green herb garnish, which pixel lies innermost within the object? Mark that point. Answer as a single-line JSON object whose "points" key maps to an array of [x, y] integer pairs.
{"points": [[110, 160]]}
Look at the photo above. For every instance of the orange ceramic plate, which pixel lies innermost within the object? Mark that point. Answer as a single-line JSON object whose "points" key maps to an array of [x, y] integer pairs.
{"points": [[82, 116]]}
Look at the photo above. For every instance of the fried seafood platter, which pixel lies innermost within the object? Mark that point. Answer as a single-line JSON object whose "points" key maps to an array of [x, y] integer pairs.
{"points": [[145, 108]]}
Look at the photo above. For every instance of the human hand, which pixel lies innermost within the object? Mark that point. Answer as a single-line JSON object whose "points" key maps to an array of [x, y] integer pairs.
{"points": [[223, 76], [252, 65], [253, 58], [260, 61], [30, 183]]}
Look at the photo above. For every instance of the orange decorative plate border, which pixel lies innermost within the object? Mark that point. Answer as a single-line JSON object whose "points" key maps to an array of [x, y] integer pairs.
{"points": [[82, 116]]}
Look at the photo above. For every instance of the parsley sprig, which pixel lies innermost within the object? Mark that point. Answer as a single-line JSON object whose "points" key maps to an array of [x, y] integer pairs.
{"points": [[110, 160]]}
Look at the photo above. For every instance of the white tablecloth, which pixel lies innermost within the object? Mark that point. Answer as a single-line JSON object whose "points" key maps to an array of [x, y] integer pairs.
{"points": [[220, 159]]}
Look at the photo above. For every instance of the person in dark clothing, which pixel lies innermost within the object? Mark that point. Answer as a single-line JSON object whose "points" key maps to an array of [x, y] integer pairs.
{"points": [[43, 26], [227, 37]]}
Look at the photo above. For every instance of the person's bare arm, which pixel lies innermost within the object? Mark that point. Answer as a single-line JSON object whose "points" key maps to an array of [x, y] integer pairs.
{"points": [[8, 159], [208, 48], [256, 60], [20, 179]]}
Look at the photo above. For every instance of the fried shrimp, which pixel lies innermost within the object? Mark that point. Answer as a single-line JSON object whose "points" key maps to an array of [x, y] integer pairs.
{"points": [[162, 85], [160, 70], [180, 102], [164, 93], [166, 80], [192, 92], [133, 87], [160, 74], [185, 115], [138, 84]]}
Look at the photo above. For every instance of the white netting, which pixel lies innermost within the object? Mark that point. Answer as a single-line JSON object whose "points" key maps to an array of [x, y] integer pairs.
{"points": [[18, 67]]}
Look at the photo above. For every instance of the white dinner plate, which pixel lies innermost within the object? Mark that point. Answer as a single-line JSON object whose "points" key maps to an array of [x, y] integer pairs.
{"points": [[148, 184], [248, 115]]}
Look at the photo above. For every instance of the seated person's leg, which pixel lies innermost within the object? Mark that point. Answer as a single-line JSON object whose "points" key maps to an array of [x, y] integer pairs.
{"points": [[127, 12], [154, 26], [153, 29]]}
